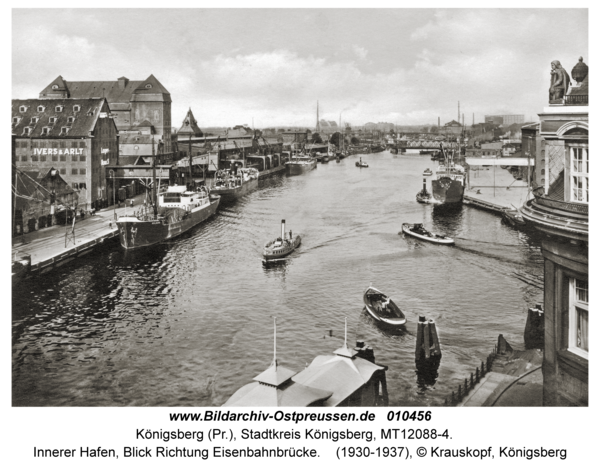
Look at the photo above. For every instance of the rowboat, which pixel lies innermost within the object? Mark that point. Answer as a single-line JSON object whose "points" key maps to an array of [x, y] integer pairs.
{"points": [[281, 246], [416, 230], [428, 172], [382, 308]]}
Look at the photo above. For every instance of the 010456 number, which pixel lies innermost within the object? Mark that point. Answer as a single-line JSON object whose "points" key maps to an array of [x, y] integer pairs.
{"points": [[415, 416]]}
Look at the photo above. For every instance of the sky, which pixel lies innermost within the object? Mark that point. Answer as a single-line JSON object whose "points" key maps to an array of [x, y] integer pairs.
{"points": [[270, 66]]}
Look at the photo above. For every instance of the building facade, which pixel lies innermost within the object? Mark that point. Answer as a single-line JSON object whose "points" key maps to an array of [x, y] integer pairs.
{"points": [[131, 103], [560, 212], [505, 119], [75, 136]]}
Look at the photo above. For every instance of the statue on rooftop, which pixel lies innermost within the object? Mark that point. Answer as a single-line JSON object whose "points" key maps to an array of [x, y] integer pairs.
{"points": [[559, 81]]}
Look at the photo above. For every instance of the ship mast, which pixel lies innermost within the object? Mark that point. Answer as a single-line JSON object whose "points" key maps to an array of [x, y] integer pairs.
{"points": [[190, 155]]}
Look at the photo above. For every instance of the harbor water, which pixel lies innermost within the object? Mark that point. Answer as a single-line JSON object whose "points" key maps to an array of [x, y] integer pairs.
{"points": [[188, 322]]}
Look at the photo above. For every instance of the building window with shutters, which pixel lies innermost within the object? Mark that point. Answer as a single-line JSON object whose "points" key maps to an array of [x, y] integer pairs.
{"points": [[579, 174], [578, 317]]}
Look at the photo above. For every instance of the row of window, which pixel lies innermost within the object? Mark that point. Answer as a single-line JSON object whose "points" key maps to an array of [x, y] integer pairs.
{"points": [[51, 120], [578, 317], [52, 144], [74, 171], [45, 131], [42, 108], [36, 158], [579, 173]]}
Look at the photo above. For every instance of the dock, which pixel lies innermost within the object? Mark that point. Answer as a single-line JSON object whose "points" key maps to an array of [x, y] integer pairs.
{"points": [[50, 248], [494, 192]]}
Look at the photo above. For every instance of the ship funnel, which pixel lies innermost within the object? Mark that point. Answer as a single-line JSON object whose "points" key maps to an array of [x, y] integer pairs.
{"points": [[282, 229], [424, 184]]}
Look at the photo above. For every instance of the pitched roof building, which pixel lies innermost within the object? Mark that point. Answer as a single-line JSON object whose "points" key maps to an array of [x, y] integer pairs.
{"points": [[131, 102], [189, 127], [75, 136]]}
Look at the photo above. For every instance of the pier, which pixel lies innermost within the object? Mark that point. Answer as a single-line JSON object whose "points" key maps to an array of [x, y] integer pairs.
{"points": [[52, 247]]}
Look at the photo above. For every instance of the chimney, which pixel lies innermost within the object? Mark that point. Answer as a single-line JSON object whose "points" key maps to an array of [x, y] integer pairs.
{"points": [[282, 230], [123, 82]]}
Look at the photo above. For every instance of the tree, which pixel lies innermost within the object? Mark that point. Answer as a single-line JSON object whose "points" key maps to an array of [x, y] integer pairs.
{"points": [[355, 140], [335, 139], [316, 138]]}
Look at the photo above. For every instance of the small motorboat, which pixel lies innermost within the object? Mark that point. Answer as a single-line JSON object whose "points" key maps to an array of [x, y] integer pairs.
{"points": [[382, 308], [361, 164], [417, 231], [428, 172], [281, 246]]}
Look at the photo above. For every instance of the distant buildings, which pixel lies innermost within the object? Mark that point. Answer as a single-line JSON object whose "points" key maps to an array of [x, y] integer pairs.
{"points": [[560, 212], [506, 119]]}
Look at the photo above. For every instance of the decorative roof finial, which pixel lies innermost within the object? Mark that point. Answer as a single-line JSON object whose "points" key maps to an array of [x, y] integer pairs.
{"points": [[580, 71]]}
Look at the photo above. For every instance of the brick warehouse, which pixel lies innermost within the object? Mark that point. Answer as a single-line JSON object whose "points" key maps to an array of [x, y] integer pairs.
{"points": [[130, 102], [75, 136]]}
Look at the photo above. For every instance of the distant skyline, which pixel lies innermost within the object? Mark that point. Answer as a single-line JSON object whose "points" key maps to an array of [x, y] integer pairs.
{"points": [[405, 66]]}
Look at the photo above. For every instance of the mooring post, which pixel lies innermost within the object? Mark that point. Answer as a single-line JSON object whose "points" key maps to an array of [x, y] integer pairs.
{"points": [[419, 343], [426, 340], [434, 338], [459, 397]]}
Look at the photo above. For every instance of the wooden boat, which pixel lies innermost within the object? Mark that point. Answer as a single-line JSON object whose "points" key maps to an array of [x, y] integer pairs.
{"points": [[382, 308], [281, 246], [416, 230], [428, 172]]}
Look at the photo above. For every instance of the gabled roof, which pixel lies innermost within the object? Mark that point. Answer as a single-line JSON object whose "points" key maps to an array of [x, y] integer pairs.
{"points": [[84, 120], [190, 126], [111, 90]]}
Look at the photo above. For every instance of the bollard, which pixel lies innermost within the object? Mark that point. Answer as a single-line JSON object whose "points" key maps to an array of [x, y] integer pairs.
{"points": [[459, 398], [466, 386], [472, 381], [453, 398], [477, 375], [482, 369]]}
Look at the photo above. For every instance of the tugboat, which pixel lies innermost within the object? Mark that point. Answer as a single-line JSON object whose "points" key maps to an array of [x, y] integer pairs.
{"points": [[281, 246], [448, 188], [232, 186], [382, 308], [175, 212], [360, 164], [424, 197]]}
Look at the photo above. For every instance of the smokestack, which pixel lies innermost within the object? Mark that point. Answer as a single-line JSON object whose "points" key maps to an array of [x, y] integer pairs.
{"points": [[424, 185], [282, 230]]}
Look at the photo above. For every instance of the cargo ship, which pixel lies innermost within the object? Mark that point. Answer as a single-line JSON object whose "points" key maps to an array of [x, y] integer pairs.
{"points": [[299, 164], [232, 186], [170, 214], [448, 186]]}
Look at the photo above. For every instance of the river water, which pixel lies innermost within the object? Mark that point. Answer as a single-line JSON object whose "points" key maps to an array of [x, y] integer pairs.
{"points": [[189, 322]]}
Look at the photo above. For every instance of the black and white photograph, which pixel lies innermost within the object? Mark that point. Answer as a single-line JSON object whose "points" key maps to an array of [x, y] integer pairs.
{"points": [[299, 207]]}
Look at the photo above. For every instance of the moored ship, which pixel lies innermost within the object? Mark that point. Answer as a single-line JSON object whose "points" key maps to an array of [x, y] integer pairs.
{"points": [[179, 209], [232, 186], [448, 186], [299, 164]]}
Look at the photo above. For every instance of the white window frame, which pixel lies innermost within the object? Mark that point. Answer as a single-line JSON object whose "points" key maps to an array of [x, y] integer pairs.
{"points": [[59, 108], [34, 120], [52, 120], [64, 130], [579, 174], [26, 130], [76, 108], [575, 303], [41, 109], [23, 109], [16, 120], [45, 131], [70, 119]]}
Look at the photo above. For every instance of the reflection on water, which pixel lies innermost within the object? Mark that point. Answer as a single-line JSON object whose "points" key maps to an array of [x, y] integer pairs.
{"points": [[188, 323]]}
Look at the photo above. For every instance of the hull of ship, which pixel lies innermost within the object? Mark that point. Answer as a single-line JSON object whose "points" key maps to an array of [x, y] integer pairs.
{"points": [[231, 194], [447, 191], [271, 172], [135, 234], [294, 169]]}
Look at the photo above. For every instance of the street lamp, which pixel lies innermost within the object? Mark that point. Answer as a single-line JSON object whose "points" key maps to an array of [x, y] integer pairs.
{"points": [[112, 175]]}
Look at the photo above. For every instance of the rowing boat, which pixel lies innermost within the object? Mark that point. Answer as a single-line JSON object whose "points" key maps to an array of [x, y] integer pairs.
{"points": [[382, 308], [416, 230]]}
